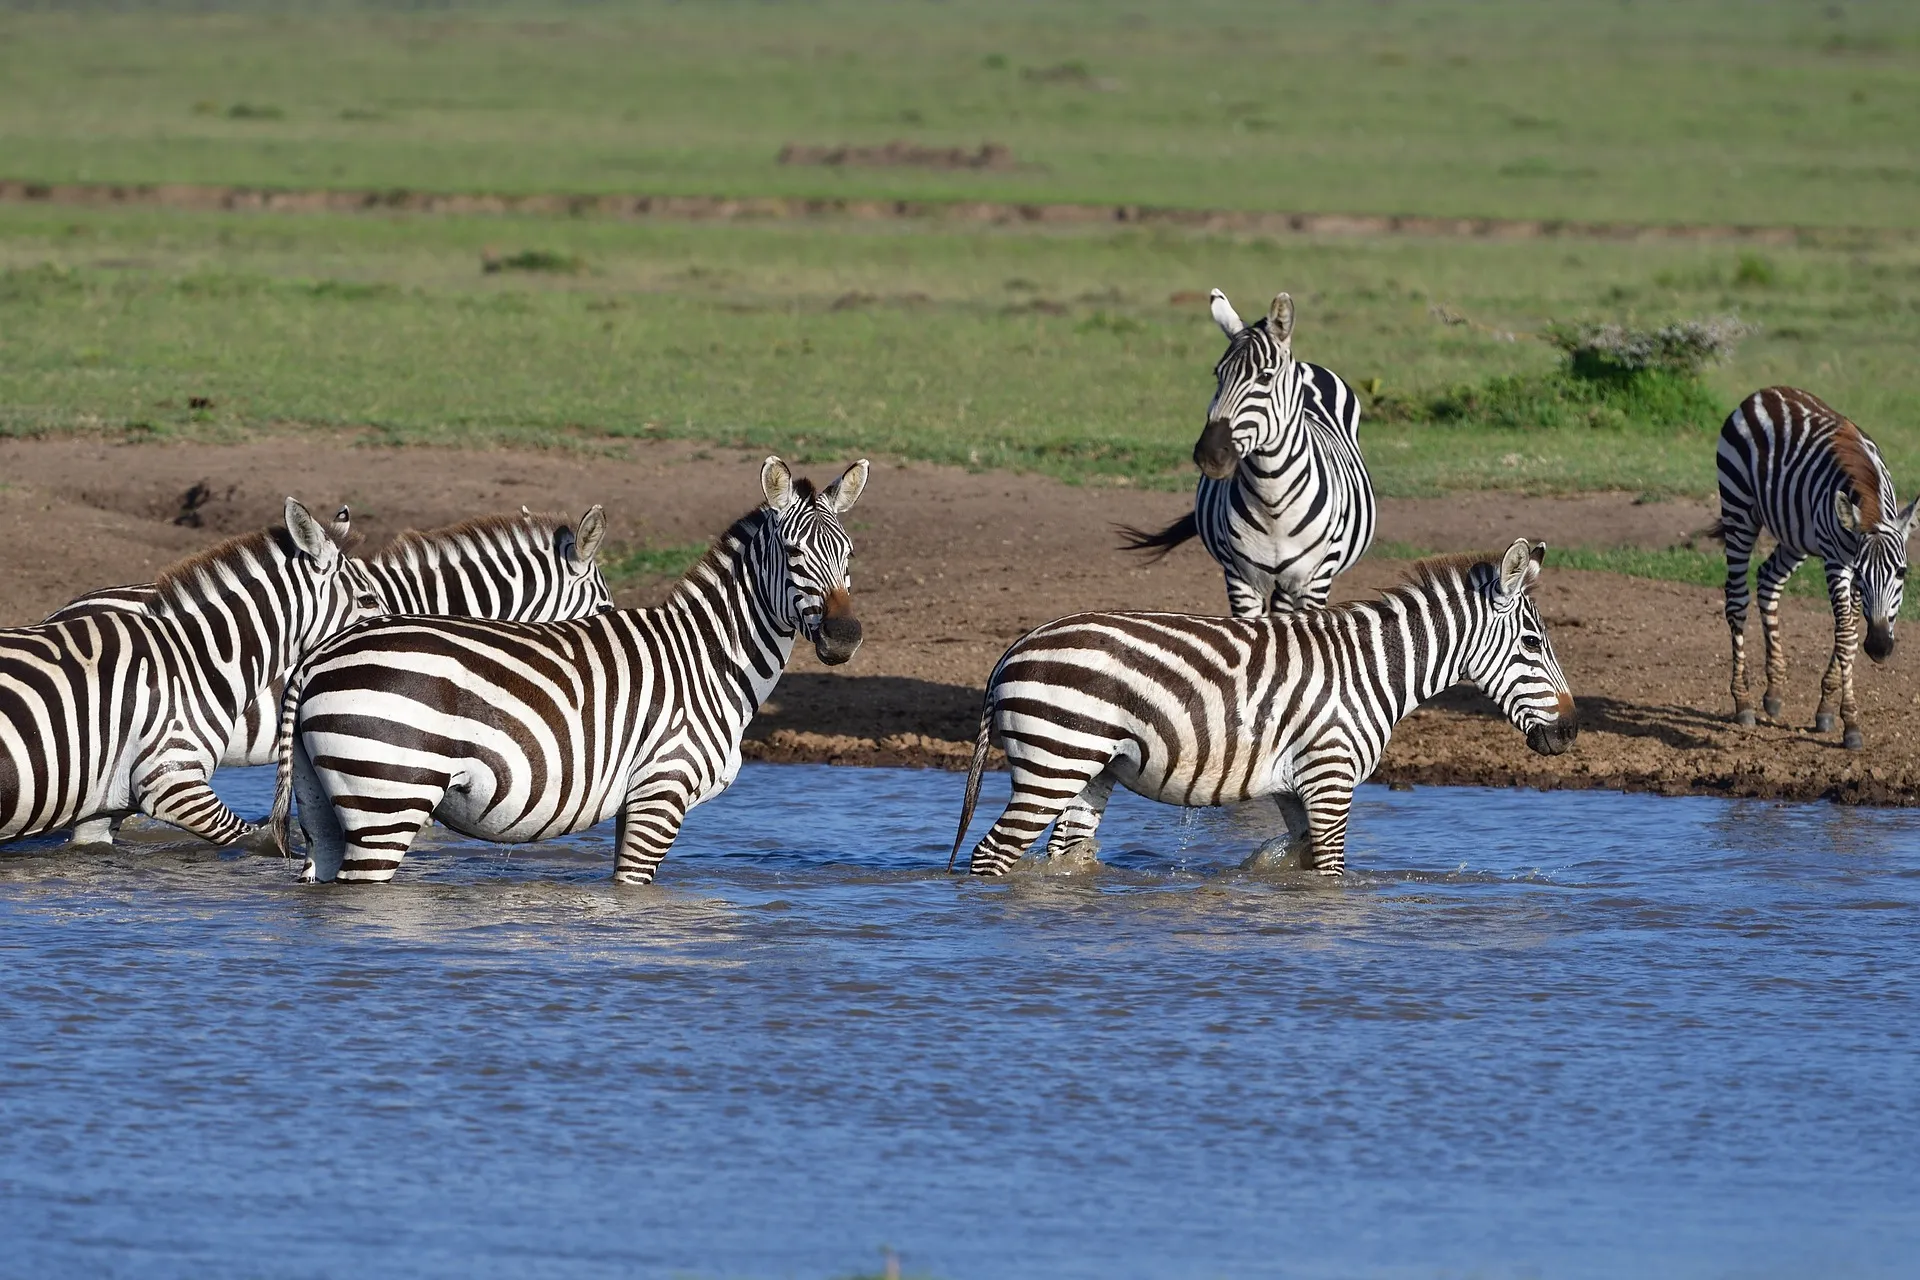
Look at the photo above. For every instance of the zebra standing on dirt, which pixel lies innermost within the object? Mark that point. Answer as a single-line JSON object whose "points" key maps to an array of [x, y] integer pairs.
{"points": [[525, 568], [1209, 711], [117, 710], [515, 732], [1284, 502], [1792, 466]]}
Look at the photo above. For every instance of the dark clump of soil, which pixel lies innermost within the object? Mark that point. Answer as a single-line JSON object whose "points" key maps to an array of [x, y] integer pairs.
{"points": [[900, 154]]}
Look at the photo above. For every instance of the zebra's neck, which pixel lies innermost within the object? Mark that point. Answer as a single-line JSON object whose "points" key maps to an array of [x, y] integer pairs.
{"points": [[1270, 474], [730, 601], [1428, 631]]}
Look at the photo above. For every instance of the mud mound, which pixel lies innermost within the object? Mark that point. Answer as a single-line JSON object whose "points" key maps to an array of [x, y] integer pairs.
{"points": [[900, 154]]}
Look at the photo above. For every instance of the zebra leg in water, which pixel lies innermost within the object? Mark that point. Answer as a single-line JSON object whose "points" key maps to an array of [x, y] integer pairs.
{"points": [[1041, 793], [1773, 578], [1281, 850], [96, 831], [649, 822], [1739, 540], [175, 790], [1839, 677], [360, 828], [1074, 829]]}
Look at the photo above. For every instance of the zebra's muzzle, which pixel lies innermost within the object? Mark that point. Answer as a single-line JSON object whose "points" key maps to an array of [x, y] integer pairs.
{"points": [[1554, 737], [839, 633], [1879, 645], [1214, 453]]}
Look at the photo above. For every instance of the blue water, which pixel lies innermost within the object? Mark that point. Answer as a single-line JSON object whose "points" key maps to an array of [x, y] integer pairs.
{"points": [[1577, 1034]]}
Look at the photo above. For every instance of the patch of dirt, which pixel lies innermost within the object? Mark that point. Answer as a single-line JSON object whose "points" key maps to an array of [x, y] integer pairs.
{"points": [[996, 212], [951, 566], [900, 154]]}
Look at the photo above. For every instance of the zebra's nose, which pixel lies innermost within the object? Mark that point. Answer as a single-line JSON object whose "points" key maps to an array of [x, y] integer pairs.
{"points": [[1879, 645], [839, 633], [1214, 453]]}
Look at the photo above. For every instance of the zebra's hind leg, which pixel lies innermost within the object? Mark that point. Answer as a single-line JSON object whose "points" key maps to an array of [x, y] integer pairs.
{"points": [[326, 838], [1773, 577], [1041, 793], [182, 797], [1838, 681], [1739, 557], [95, 831], [1073, 831]]}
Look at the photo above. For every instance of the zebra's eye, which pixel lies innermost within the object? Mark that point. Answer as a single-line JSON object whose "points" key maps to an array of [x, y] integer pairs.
{"points": [[1531, 644], [1901, 573], [368, 601]]}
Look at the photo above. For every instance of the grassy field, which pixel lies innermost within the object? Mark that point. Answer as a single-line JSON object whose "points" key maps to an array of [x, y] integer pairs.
{"points": [[1798, 112], [1084, 354]]}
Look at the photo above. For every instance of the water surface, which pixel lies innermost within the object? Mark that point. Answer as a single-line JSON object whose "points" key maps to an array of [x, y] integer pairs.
{"points": [[1575, 1034]]}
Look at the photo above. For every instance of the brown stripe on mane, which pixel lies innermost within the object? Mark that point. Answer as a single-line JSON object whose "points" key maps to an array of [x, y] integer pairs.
{"points": [[234, 551], [541, 524], [1852, 452], [1436, 570]]}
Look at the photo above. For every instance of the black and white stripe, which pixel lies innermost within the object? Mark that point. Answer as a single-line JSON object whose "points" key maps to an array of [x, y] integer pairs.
{"points": [[1284, 503], [517, 731], [1209, 711], [1793, 467], [525, 567], [114, 710]]}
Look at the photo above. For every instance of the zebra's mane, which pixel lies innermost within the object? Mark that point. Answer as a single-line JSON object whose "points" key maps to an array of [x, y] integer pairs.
{"points": [[740, 533], [235, 551], [531, 528], [1851, 451], [1439, 571]]}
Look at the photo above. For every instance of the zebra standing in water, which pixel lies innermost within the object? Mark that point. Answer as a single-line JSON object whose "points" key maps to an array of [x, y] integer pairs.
{"points": [[1284, 502], [526, 568], [1792, 466], [515, 732], [117, 710], [1207, 711]]}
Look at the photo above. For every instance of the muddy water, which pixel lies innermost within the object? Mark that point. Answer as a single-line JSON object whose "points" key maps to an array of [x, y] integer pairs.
{"points": [[1535, 1034]]}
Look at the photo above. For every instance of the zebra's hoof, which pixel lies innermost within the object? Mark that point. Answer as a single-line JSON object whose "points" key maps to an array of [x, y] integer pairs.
{"points": [[1823, 723], [307, 873], [1080, 855], [1277, 854], [1773, 705], [1744, 717], [1855, 740]]}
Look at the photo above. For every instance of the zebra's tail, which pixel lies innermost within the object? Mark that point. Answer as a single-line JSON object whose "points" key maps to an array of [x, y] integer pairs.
{"points": [[979, 766], [1157, 545], [1717, 530], [280, 817]]}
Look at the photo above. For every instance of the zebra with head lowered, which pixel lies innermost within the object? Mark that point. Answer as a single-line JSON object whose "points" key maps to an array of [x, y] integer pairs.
{"points": [[1791, 465], [116, 710], [1284, 503], [527, 568], [1208, 711], [518, 731]]}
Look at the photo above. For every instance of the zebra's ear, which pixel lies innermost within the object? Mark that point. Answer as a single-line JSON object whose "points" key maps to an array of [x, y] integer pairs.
{"points": [[844, 492], [1280, 318], [1519, 567], [777, 483], [310, 535], [1224, 315], [1906, 518], [342, 525], [1848, 513], [593, 531]]}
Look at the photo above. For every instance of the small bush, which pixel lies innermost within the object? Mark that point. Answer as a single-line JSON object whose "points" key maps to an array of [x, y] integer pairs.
{"points": [[535, 260], [1754, 271], [1607, 351]]}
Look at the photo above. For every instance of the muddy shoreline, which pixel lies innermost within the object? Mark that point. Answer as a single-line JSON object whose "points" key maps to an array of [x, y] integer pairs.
{"points": [[951, 566]]}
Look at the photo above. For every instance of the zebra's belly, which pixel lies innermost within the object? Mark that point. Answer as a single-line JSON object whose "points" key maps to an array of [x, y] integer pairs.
{"points": [[1236, 782], [524, 819]]}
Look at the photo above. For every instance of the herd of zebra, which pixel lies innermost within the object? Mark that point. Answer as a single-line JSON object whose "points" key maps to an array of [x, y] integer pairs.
{"points": [[480, 675]]}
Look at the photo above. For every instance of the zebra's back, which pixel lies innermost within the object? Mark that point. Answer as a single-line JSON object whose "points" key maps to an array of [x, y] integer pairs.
{"points": [[1783, 454]]}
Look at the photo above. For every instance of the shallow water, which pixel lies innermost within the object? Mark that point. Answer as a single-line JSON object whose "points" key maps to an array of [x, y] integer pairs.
{"points": [[1534, 1034]]}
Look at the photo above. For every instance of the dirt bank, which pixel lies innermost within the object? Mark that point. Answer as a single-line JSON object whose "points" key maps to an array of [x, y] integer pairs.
{"points": [[951, 566]]}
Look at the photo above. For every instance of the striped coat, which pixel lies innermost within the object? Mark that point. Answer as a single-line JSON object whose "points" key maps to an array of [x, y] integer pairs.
{"points": [[1284, 502], [1210, 711], [517, 732], [116, 711], [1791, 466]]}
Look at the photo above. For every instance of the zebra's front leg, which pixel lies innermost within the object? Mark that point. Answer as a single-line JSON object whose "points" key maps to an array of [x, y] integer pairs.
{"points": [[1838, 680], [95, 831], [1282, 850], [1773, 578], [1328, 800], [1739, 558], [1074, 829], [1244, 600], [181, 796], [649, 822]]}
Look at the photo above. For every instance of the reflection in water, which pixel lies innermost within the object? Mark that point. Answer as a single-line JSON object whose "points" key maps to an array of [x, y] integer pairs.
{"points": [[1577, 1033]]}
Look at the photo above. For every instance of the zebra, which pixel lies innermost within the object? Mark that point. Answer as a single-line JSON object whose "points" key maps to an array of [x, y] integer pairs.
{"points": [[1284, 502], [113, 711], [515, 732], [1791, 465], [1209, 711], [530, 568]]}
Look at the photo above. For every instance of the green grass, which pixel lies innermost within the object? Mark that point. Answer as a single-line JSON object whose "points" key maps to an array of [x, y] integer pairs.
{"points": [[1796, 112], [642, 564], [1084, 354]]}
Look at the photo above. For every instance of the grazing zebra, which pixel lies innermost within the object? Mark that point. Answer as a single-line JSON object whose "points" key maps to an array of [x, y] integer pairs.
{"points": [[114, 711], [1792, 466], [527, 568], [1206, 711], [517, 731], [1284, 502]]}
